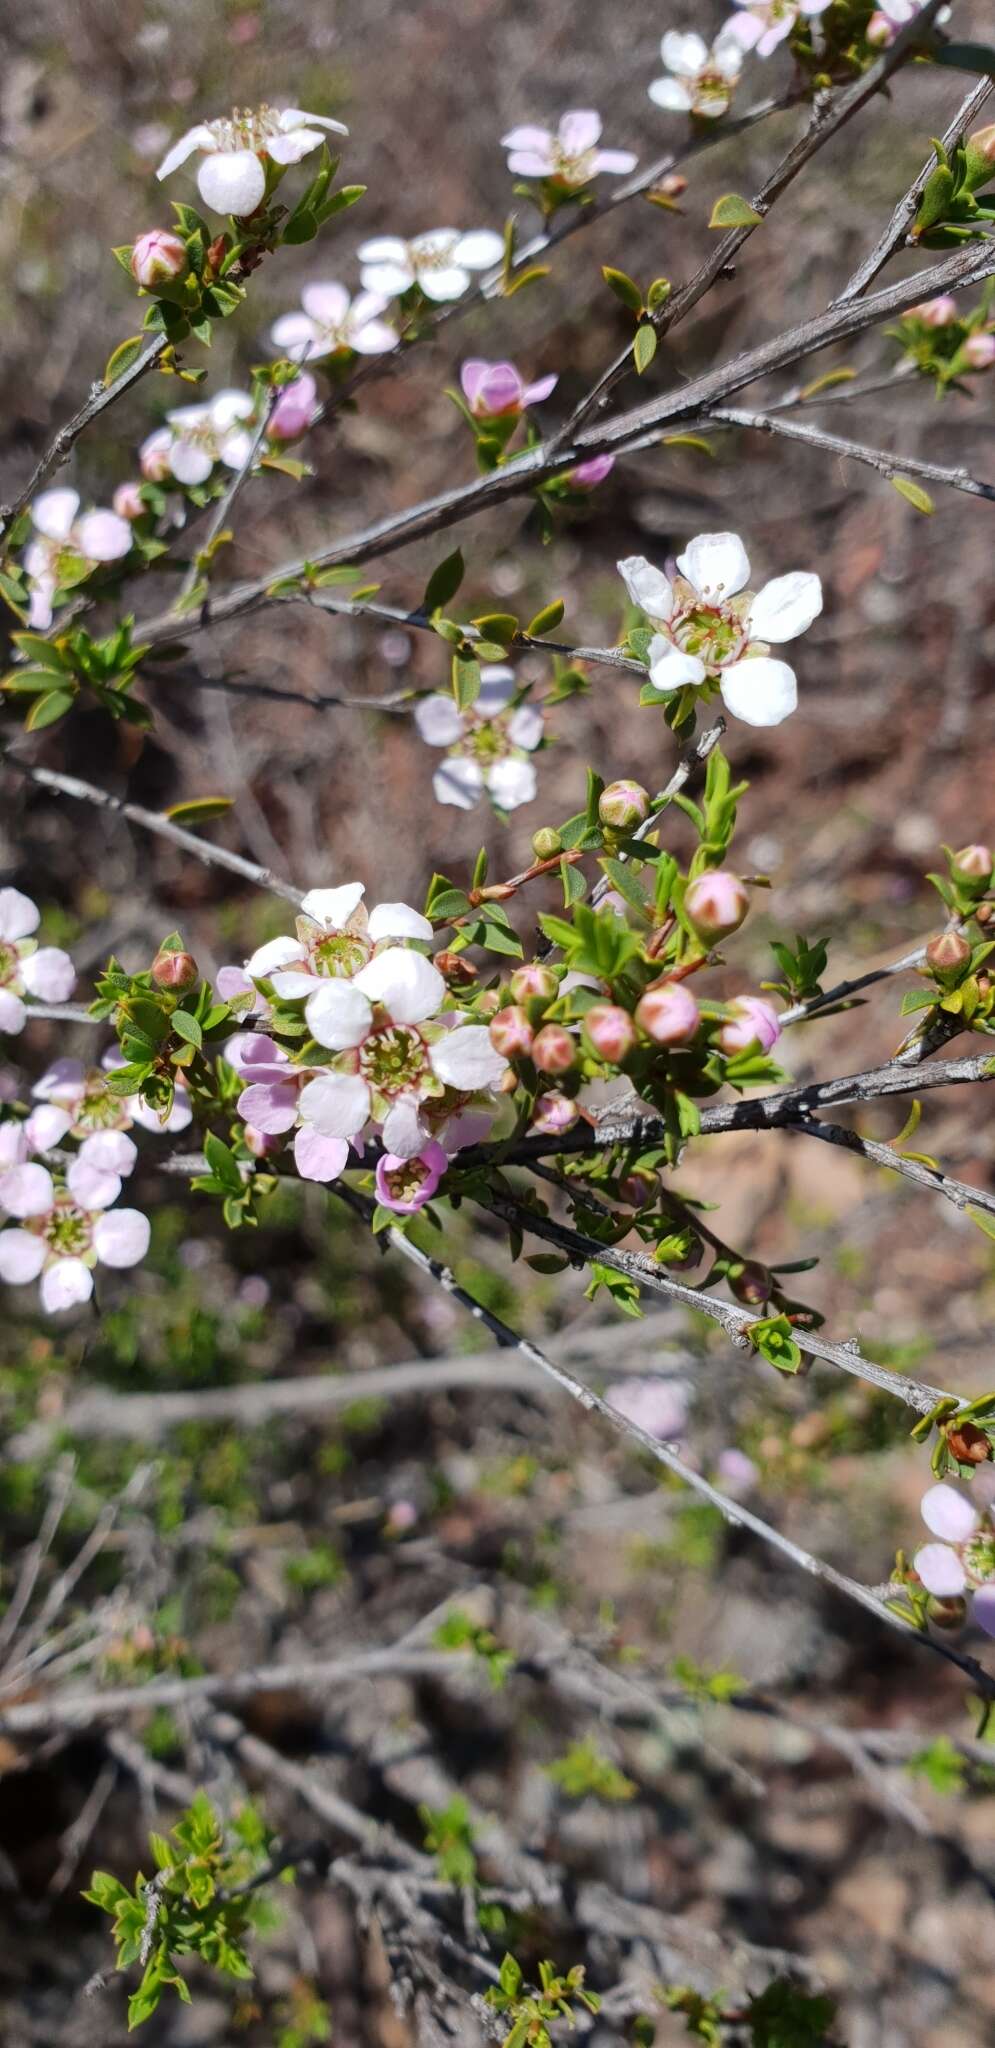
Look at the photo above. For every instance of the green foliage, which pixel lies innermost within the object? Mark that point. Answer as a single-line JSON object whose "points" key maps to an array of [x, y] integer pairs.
{"points": [[460, 1632], [449, 1838], [780, 2017], [56, 673], [533, 2013], [583, 1772]]}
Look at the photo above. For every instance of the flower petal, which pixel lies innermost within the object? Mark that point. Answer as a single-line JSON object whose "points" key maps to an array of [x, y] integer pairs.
{"points": [[110, 1151], [53, 513], [615, 162], [22, 1256], [940, 1570], [786, 607], [497, 688], [439, 720], [103, 536], [319, 1158], [441, 286], [49, 974], [759, 691], [290, 148], [398, 921], [276, 953], [65, 1284], [459, 781], [122, 1237], [189, 463], [407, 984], [982, 1606], [579, 131], [948, 1514], [19, 917], [295, 335], [91, 1187], [716, 564], [403, 1132], [479, 249], [334, 907], [232, 181], [388, 280], [326, 302], [269, 1106], [336, 1104], [670, 94], [511, 783], [528, 137], [525, 727], [685, 53], [464, 1058], [27, 1191], [649, 588], [199, 137], [338, 1015], [13, 1015], [670, 668]]}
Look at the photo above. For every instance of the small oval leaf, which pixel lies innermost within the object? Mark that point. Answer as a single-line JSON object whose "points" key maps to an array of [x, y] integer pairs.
{"points": [[733, 212], [914, 493]]}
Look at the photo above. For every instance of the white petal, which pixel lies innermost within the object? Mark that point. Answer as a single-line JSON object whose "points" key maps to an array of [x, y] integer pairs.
{"points": [[195, 138], [27, 1191], [403, 1132], [103, 536], [479, 249], [439, 720], [22, 1256], [511, 783], [760, 692], [292, 983], [716, 564], [53, 513], [669, 93], [579, 131], [530, 163], [295, 117], [670, 668], [336, 1104], [13, 1015], [229, 406], [276, 953], [686, 54], [459, 782], [19, 917], [497, 688], [338, 1015], [333, 907], [122, 1237], [373, 338], [328, 303], [407, 984], [289, 149], [465, 1059], [190, 464], [64, 1284], [297, 336], [948, 1514], [235, 448], [444, 285], [649, 588], [529, 138], [525, 727], [232, 181], [387, 280], [383, 249], [91, 1186], [786, 607], [398, 921]]}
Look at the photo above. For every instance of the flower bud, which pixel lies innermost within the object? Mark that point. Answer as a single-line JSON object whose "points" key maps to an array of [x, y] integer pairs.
{"points": [[638, 1188], [588, 475], [158, 258], [972, 868], [623, 805], [546, 843], [294, 410], [554, 1051], [672, 185], [941, 312], [610, 1031], [980, 152], [127, 501], [716, 903], [154, 454], [967, 1443], [488, 1003], [947, 956], [979, 351], [553, 1115], [753, 1022], [511, 1033], [534, 981], [751, 1285], [668, 1014], [880, 32], [175, 971], [455, 968], [260, 1143], [947, 1613]]}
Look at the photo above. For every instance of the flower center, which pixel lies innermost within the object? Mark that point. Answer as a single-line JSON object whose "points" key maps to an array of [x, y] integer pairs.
{"points": [[486, 742], [337, 956], [99, 1110], [66, 1229], [978, 1556], [393, 1059], [713, 632], [711, 86], [405, 1181], [573, 170], [248, 128], [10, 961], [432, 259]]}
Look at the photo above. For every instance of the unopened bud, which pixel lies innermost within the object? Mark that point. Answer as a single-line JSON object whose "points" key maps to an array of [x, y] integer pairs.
{"points": [[967, 1443], [546, 843], [984, 913], [610, 1031], [672, 185], [260, 1143], [979, 152], [554, 1051], [488, 1003], [753, 1022], [979, 351], [158, 258], [949, 1613], [668, 1014], [455, 968], [972, 868], [716, 903], [623, 805], [638, 1188], [511, 1032], [527, 982], [941, 312], [751, 1285], [947, 956], [880, 32], [175, 971], [127, 501], [553, 1115]]}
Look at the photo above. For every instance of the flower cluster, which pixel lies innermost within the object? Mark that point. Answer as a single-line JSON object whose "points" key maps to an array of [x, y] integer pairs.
{"points": [[401, 1065], [488, 746], [963, 1559], [27, 969], [67, 547]]}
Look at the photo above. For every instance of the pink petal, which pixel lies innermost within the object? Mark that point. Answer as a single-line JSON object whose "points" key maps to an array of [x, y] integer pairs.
{"points": [[318, 1158], [64, 1284], [22, 1256], [948, 1514], [982, 1606], [940, 1570], [49, 974], [121, 1237], [27, 1191], [90, 1186], [47, 1126], [109, 1152], [19, 917], [270, 1105], [13, 1015]]}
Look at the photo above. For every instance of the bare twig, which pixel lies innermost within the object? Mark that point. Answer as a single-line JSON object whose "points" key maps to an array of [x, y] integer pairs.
{"points": [[959, 1192], [883, 460], [60, 447]]}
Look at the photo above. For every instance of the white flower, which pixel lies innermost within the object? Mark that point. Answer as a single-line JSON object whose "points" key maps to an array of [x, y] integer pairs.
{"points": [[761, 25], [337, 938], [569, 157], [702, 80], [487, 745], [195, 437], [25, 967], [330, 322], [711, 628], [232, 177], [440, 262], [62, 542], [64, 1233]]}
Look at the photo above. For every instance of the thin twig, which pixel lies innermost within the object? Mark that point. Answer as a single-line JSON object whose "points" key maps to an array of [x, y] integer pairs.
{"points": [[883, 460], [60, 447], [905, 212], [959, 1192]]}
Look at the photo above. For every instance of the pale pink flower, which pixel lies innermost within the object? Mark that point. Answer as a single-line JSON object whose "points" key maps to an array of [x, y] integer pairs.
{"points": [[701, 80], [979, 351], [77, 1103], [294, 411], [488, 746], [236, 152], [941, 312], [336, 937], [660, 1407], [964, 1558], [62, 1234], [753, 1022], [26, 968], [63, 541], [332, 323], [589, 474], [568, 157], [405, 1185], [711, 628], [128, 502], [760, 25], [195, 437], [492, 390], [442, 262]]}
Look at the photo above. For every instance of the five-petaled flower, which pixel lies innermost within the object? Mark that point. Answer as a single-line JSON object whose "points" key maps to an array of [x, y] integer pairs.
{"points": [[236, 151], [712, 629], [332, 323], [494, 390], [760, 25], [195, 437], [25, 967], [488, 745], [440, 262], [964, 1559], [66, 548], [568, 157], [62, 1233], [405, 1185], [700, 80]]}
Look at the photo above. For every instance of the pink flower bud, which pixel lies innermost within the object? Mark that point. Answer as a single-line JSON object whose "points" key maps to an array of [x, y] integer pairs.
{"points": [[511, 1033], [491, 389], [158, 258], [610, 1031], [668, 1014], [553, 1115], [175, 971], [554, 1051], [588, 475], [972, 867], [979, 351], [982, 143], [294, 409], [260, 1143], [751, 1285], [941, 312], [753, 1022], [127, 501], [880, 32], [948, 955], [716, 903], [154, 454], [534, 981], [623, 805]]}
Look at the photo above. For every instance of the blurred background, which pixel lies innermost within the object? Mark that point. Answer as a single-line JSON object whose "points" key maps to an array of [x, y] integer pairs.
{"points": [[751, 1830]]}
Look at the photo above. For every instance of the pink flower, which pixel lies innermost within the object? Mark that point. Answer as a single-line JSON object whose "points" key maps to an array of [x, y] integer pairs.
{"points": [[64, 544], [569, 157], [294, 410], [761, 25], [26, 968], [589, 474], [195, 437], [487, 746], [332, 323], [700, 80], [753, 1022], [158, 258], [553, 1115], [492, 389], [979, 351], [941, 312], [660, 1407], [964, 1559], [405, 1185], [65, 1233], [77, 1103]]}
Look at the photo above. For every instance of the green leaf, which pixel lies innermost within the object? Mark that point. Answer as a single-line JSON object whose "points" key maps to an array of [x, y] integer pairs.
{"points": [[466, 681], [126, 353], [444, 582], [772, 1337], [45, 710], [187, 1027], [196, 810], [914, 493], [547, 619], [644, 346], [733, 212], [624, 288], [43, 653], [222, 1162]]}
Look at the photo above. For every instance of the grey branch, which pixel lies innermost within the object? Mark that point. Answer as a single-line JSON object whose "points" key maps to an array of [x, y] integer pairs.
{"points": [[60, 447], [882, 459], [905, 212]]}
